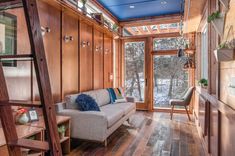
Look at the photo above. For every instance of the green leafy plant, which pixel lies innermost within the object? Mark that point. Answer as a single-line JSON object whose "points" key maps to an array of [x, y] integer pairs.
{"points": [[203, 82], [61, 129], [222, 45], [32, 137], [214, 16], [115, 27], [83, 2]]}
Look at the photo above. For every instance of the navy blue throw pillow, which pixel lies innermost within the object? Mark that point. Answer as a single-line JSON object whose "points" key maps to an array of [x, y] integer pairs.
{"points": [[86, 103]]}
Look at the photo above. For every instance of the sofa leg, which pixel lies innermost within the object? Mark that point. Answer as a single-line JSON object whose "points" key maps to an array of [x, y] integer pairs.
{"points": [[105, 142], [172, 111]]}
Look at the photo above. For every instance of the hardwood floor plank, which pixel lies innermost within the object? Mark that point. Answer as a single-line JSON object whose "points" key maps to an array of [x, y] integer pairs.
{"points": [[148, 134]]}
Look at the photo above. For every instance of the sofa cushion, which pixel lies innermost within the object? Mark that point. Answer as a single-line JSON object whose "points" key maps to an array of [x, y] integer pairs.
{"points": [[70, 101], [92, 94], [86, 103], [126, 107], [102, 97], [112, 113]]}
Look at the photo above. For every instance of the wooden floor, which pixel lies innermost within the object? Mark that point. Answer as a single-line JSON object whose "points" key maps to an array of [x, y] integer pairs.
{"points": [[150, 134]]}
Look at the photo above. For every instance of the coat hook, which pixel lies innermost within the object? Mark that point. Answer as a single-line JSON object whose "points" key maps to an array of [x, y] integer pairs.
{"points": [[68, 38], [83, 44], [45, 30]]}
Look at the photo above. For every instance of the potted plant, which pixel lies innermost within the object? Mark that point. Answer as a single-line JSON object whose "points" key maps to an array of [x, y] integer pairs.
{"points": [[61, 130], [84, 9], [203, 82], [217, 20], [225, 52], [115, 28], [22, 116]]}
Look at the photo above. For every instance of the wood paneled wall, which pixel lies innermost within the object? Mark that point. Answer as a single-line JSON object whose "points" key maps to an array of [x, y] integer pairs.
{"points": [[74, 64], [98, 59], [86, 57], [108, 65], [219, 116], [70, 59], [51, 17]]}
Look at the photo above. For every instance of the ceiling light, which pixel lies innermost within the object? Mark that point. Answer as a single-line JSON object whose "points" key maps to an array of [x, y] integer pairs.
{"points": [[163, 2], [132, 6]]}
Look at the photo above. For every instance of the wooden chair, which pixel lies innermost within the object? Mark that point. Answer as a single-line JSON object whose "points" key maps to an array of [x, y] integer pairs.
{"points": [[185, 101]]}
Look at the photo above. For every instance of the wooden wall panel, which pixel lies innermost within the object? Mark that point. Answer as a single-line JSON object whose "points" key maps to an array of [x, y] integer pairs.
{"points": [[19, 78], [213, 44], [108, 66], [69, 55], [98, 60], [227, 136], [214, 130], [50, 17], [86, 57], [117, 62]]}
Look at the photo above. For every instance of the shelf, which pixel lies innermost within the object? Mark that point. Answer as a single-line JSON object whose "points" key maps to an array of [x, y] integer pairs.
{"points": [[224, 54], [21, 103], [31, 144], [64, 139]]}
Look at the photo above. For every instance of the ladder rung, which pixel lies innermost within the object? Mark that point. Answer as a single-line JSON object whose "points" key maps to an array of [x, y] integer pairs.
{"points": [[23, 57], [30, 144], [21, 103], [10, 4]]}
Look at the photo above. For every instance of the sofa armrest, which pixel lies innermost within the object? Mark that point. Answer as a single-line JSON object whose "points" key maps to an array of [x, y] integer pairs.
{"points": [[60, 106], [130, 99], [89, 125]]}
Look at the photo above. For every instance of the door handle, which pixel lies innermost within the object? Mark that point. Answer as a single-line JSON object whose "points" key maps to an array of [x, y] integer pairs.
{"points": [[146, 82]]}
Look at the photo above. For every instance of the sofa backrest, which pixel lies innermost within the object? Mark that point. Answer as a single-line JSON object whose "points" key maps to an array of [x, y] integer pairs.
{"points": [[101, 96]]}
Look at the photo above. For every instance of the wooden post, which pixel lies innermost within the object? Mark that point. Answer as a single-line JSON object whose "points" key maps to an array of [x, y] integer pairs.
{"points": [[41, 69]]}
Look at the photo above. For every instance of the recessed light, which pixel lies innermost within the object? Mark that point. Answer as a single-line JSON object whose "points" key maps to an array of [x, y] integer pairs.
{"points": [[163, 2], [132, 6]]}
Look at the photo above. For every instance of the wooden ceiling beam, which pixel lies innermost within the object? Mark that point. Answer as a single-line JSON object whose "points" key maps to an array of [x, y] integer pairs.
{"points": [[164, 19], [142, 31], [131, 31], [150, 30], [163, 35]]}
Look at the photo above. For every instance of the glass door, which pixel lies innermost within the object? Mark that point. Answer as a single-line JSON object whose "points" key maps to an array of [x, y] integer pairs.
{"points": [[170, 80], [135, 80]]}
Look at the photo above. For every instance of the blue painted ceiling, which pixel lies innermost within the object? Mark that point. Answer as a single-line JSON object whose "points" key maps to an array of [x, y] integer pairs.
{"points": [[142, 8]]}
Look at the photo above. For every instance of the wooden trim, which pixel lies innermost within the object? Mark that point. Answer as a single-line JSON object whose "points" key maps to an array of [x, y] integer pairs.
{"points": [[164, 19], [165, 52], [222, 107], [163, 35]]}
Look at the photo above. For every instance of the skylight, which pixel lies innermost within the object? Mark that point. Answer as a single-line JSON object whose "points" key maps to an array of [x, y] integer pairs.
{"points": [[152, 29]]}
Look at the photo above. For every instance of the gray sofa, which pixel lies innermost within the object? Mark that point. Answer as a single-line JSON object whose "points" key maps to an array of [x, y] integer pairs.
{"points": [[93, 125]]}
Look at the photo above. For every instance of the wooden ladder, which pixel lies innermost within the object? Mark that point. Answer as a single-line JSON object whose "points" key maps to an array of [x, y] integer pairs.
{"points": [[52, 147]]}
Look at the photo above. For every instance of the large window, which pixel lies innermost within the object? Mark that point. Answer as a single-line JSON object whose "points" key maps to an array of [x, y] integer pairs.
{"points": [[134, 69], [170, 80], [165, 44], [8, 36], [204, 53]]}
